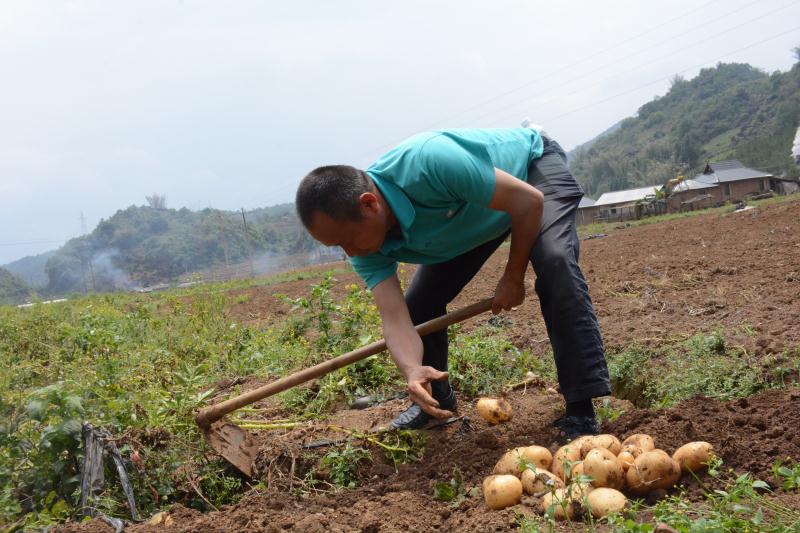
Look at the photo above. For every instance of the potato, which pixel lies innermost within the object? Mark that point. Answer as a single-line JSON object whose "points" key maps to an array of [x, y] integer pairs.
{"points": [[577, 470], [502, 491], [569, 452], [694, 456], [609, 442], [561, 503], [509, 463], [652, 470], [604, 501], [539, 480], [494, 410], [643, 441], [626, 459], [566, 500], [604, 469]]}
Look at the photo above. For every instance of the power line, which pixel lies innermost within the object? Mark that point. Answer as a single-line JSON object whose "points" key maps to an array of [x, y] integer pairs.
{"points": [[667, 77], [567, 67], [648, 63], [24, 243]]}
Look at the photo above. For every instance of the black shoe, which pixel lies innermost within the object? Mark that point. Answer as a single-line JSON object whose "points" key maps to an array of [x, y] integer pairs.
{"points": [[576, 426], [415, 418]]}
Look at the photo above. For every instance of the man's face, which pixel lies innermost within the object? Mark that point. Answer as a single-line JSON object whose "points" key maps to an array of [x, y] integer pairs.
{"points": [[355, 237]]}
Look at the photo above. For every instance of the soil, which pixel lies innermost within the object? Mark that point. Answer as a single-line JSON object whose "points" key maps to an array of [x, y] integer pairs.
{"points": [[738, 272]]}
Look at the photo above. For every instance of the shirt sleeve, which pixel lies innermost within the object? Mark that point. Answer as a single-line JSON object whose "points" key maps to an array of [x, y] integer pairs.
{"points": [[460, 169], [374, 268]]}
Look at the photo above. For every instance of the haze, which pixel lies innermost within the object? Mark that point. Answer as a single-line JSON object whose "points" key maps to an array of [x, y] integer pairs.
{"points": [[229, 104]]}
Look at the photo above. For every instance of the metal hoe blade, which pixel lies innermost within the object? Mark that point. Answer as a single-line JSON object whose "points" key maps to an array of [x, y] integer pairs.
{"points": [[234, 444]]}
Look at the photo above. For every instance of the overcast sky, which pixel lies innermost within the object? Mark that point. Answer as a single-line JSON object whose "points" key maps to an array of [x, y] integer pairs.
{"points": [[229, 104]]}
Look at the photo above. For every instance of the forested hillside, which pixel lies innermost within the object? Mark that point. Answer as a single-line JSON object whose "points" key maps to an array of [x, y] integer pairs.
{"points": [[145, 245], [12, 289], [732, 111]]}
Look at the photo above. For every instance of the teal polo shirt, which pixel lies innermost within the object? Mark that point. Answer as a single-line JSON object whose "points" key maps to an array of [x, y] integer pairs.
{"points": [[438, 185]]}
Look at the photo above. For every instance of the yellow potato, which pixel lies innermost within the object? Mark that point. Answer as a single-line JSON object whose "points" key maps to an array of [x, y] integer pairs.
{"points": [[626, 459], [652, 470], [494, 410], [509, 463], [604, 469], [569, 452], [609, 442], [604, 501], [539, 481], [561, 504], [502, 491], [694, 456], [642, 440]]}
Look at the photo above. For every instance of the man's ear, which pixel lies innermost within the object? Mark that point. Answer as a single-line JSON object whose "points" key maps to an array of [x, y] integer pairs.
{"points": [[369, 203]]}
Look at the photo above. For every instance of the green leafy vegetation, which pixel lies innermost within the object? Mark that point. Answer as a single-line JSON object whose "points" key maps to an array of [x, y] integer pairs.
{"points": [[142, 245], [731, 111], [12, 289], [702, 364], [343, 465], [787, 473]]}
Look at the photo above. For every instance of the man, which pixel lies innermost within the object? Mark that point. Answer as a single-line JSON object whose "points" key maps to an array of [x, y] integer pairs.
{"points": [[446, 200]]}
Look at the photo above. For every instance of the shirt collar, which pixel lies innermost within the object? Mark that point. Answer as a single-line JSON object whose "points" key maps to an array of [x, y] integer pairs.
{"points": [[401, 207]]}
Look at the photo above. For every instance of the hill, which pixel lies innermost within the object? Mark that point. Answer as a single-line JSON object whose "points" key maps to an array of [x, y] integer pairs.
{"points": [[145, 245], [731, 111], [31, 269], [12, 289]]}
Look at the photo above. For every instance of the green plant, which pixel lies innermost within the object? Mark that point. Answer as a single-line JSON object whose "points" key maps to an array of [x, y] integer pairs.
{"points": [[607, 412], [788, 474], [453, 491], [481, 363], [343, 465]]}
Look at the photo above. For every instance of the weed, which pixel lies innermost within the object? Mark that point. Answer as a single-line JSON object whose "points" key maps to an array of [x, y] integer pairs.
{"points": [[607, 412], [453, 491], [788, 474], [703, 364], [343, 465], [481, 363]]}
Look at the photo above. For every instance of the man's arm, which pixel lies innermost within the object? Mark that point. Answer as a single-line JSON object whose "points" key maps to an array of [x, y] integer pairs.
{"points": [[405, 346], [525, 204]]}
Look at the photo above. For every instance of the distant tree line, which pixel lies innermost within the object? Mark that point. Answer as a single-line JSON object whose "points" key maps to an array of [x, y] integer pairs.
{"points": [[143, 245], [731, 111]]}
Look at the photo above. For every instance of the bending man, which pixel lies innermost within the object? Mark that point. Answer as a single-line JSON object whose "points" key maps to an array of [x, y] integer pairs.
{"points": [[445, 200]]}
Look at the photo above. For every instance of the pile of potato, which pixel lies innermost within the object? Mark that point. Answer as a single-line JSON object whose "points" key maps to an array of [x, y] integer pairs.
{"points": [[634, 466]]}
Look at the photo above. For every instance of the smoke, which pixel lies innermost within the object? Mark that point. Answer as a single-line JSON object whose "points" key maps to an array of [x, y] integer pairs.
{"points": [[107, 276]]}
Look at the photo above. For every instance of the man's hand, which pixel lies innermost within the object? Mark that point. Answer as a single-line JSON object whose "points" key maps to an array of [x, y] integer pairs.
{"points": [[419, 389], [510, 292]]}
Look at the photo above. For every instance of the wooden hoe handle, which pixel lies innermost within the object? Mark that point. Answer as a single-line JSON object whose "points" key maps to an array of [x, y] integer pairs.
{"points": [[208, 415]]}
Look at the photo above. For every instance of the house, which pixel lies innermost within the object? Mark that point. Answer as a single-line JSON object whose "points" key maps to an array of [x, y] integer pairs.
{"points": [[616, 205], [735, 182], [689, 195]]}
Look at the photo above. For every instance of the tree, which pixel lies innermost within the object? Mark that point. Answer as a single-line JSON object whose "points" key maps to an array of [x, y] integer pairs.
{"points": [[157, 201]]}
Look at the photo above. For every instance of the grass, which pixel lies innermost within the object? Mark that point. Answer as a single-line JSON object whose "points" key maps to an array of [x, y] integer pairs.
{"points": [[703, 364]]}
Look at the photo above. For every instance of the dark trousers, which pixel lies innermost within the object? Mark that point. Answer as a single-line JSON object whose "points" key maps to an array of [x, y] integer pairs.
{"points": [[563, 295]]}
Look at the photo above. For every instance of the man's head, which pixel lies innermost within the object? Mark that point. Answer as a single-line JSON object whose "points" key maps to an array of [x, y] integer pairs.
{"points": [[340, 206]]}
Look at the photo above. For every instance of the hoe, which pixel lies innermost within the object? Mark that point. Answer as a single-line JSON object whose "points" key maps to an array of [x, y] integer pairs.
{"points": [[239, 448]]}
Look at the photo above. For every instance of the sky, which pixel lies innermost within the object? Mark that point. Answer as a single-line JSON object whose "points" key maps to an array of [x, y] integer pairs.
{"points": [[229, 104]]}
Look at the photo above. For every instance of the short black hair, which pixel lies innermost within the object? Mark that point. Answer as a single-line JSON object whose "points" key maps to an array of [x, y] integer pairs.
{"points": [[333, 190]]}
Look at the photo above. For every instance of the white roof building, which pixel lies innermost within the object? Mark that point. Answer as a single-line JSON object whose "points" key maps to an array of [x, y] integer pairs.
{"points": [[626, 196]]}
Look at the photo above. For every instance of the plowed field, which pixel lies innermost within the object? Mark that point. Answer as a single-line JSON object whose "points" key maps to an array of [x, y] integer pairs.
{"points": [[737, 273]]}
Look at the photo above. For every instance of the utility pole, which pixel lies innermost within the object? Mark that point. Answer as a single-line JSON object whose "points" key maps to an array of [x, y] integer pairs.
{"points": [[247, 246]]}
